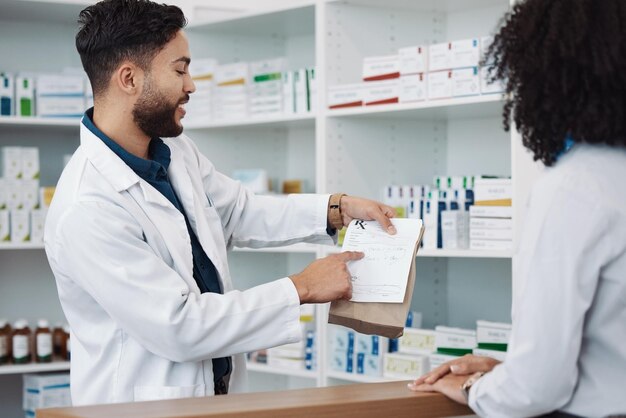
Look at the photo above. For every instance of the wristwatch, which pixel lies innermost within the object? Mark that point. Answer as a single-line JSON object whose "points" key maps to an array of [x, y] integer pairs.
{"points": [[465, 387], [334, 211]]}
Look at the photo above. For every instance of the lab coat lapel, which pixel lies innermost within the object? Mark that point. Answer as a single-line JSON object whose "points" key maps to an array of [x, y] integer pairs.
{"points": [[208, 228]]}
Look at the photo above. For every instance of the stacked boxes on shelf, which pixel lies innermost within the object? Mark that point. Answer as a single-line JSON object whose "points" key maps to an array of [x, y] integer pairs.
{"points": [[459, 212], [231, 93], [258, 90], [419, 73], [301, 355], [22, 202], [200, 104], [492, 339], [491, 224], [353, 352], [66, 94], [266, 87], [46, 391]]}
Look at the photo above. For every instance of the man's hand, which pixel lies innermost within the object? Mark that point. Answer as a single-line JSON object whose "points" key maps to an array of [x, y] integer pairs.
{"points": [[449, 385], [466, 365], [358, 208], [326, 279]]}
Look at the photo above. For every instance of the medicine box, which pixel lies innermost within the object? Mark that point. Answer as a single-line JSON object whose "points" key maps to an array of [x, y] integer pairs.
{"points": [[24, 96], [286, 363], [454, 226], [37, 223], [502, 212], [413, 60], [454, 338], [20, 225], [413, 88], [404, 366], [382, 92], [60, 106], [60, 85], [381, 68], [342, 361], [14, 194], [232, 74], [301, 91], [372, 345], [202, 69], [5, 226], [488, 332], [12, 163], [30, 163], [494, 234], [491, 223], [312, 80], [341, 338], [490, 245], [369, 365], [465, 82], [417, 341], [493, 192], [30, 194], [413, 318], [465, 53], [46, 391], [440, 57], [7, 94], [346, 95], [440, 85]]}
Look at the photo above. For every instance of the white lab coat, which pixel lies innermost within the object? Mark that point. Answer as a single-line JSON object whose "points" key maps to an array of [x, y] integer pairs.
{"points": [[121, 256]]}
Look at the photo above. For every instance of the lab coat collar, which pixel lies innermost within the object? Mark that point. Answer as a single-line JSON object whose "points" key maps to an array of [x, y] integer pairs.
{"points": [[114, 170]]}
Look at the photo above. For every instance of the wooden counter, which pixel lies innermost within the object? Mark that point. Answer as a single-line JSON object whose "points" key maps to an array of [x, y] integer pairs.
{"points": [[375, 400]]}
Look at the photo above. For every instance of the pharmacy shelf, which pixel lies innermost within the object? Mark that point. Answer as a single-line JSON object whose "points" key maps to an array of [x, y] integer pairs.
{"points": [[441, 253], [288, 21], [21, 246], [296, 248], [264, 368], [288, 121], [357, 378], [457, 108], [36, 121], [55, 366]]}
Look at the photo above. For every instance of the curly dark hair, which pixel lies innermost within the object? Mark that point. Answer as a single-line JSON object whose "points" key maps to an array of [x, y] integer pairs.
{"points": [[564, 64], [112, 31]]}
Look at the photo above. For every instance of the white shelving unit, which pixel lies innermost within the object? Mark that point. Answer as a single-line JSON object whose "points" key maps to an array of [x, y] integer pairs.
{"points": [[55, 366], [357, 150]]}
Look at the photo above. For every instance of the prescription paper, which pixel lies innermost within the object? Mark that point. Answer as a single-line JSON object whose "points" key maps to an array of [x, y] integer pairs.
{"points": [[382, 275], [380, 318]]}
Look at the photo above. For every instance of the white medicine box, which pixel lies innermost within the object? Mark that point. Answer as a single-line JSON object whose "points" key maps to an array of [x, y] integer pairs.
{"points": [[413, 88], [30, 163], [382, 92], [465, 53], [20, 225], [440, 57], [5, 226], [381, 68], [413, 60], [465, 82], [12, 163], [346, 95], [440, 85]]}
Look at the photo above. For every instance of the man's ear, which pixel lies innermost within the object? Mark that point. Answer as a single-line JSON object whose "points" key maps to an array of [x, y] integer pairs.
{"points": [[128, 78]]}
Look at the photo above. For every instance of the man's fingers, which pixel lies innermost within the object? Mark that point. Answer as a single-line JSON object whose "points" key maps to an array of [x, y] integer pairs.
{"points": [[437, 374], [421, 388], [351, 255], [384, 222]]}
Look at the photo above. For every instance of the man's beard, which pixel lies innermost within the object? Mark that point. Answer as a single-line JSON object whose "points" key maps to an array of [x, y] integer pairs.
{"points": [[154, 115]]}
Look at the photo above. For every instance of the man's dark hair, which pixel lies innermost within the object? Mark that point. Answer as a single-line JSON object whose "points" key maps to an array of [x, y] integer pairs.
{"points": [[564, 63], [112, 31]]}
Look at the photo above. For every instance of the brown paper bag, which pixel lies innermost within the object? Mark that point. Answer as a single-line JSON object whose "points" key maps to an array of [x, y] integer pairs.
{"points": [[384, 319]]}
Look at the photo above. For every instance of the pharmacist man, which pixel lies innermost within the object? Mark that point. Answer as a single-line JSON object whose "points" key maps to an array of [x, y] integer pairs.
{"points": [[139, 226]]}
